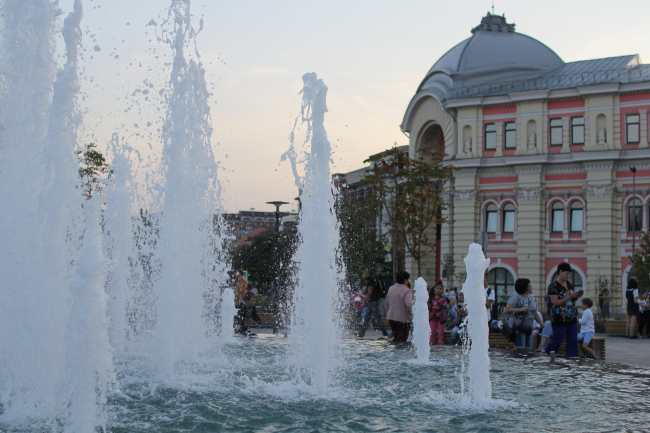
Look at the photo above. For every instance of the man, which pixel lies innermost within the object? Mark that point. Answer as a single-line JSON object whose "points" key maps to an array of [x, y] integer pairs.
{"points": [[372, 301], [489, 296], [565, 313], [399, 307], [247, 311]]}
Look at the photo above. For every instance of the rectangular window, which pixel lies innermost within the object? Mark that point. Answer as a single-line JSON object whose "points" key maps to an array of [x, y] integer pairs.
{"points": [[632, 128], [558, 221], [490, 136], [491, 221], [578, 130], [556, 132], [509, 221], [510, 136], [576, 220]]}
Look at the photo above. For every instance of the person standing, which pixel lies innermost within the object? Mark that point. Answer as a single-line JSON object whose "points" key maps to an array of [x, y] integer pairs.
{"points": [[522, 310], [372, 301], [437, 315], [644, 313], [565, 313], [489, 296], [241, 286], [399, 307], [632, 297]]}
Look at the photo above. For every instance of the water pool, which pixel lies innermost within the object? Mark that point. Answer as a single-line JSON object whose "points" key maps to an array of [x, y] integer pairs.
{"points": [[250, 386]]}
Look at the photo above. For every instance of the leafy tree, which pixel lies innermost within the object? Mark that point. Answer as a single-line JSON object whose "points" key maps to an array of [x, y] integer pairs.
{"points": [[409, 190], [641, 262], [359, 246], [94, 171]]}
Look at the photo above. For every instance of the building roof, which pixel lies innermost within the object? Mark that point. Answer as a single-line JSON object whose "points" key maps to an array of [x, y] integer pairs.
{"points": [[497, 60]]}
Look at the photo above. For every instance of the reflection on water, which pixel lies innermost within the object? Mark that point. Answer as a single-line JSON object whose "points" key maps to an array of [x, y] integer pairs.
{"points": [[251, 387]]}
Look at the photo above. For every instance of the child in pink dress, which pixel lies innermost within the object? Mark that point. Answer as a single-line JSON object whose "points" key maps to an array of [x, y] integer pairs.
{"points": [[437, 315]]}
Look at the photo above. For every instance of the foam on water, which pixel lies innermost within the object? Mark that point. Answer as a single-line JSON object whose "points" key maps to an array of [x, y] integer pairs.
{"points": [[314, 321], [422, 330]]}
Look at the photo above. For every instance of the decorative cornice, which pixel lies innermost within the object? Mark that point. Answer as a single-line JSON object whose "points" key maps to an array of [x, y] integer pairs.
{"points": [[600, 191], [529, 194], [465, 196]]}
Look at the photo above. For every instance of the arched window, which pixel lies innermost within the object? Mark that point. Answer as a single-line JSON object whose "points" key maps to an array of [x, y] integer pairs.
{"points": [[508, 218], [502, 282], [575, 279], [634, 215], [491, 218], [557, 217], [576, 217]]}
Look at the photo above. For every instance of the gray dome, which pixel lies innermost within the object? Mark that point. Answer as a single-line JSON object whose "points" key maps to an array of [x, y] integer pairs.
{"points": [[494, 53]]}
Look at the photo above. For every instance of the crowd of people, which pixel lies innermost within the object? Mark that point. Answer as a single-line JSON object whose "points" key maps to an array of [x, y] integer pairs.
{"points": [[523, 322]]}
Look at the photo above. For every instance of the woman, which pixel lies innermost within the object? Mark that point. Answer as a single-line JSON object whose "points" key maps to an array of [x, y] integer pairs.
{"points": [[523, 312], [632, 296], [399, 307]]}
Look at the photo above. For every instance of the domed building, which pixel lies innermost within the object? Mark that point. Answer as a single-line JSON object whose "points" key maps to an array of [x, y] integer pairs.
{"points": [[543, 150]]}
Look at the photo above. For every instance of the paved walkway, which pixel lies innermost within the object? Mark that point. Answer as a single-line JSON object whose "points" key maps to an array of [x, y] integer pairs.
{"points": [[626, 351]]}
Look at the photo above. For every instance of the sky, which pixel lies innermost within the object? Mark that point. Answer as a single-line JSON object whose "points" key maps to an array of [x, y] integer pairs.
{"points": [[372, 55]]}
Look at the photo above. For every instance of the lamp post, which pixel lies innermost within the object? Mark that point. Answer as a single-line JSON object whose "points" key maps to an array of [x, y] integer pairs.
{"points": [[633, 170], [276, 283]]}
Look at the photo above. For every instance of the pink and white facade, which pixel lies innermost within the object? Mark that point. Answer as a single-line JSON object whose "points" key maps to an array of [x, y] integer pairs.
{"points": [[543, 150]]}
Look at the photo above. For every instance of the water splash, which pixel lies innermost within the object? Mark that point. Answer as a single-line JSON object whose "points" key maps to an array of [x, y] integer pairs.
{"points": [[228, 312], [188, 240], [480, 387], [314, 322], [422, 330]]}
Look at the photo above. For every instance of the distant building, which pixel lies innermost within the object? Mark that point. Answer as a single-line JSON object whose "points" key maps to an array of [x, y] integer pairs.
{"points": [[543, 150], [244, 223]]}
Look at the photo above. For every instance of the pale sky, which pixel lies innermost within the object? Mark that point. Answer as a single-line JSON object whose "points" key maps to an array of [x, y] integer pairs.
{"points": [[372, 54]]}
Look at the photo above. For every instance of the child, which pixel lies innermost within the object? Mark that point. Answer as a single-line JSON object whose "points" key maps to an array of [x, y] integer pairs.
{"points": [[587, 329], [437, 315]]}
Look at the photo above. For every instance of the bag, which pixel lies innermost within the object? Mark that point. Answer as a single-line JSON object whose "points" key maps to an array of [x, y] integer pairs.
{"points": [[508, 332]]}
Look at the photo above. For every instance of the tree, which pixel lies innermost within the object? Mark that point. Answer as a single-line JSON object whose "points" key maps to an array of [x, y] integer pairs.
{"points": [[94, 171], [359, 247], [409, 190], [641, 262]]}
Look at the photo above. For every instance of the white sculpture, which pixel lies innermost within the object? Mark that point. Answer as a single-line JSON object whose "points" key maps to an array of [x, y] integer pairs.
{"points": [[532, 140], [602, 135], [468, 144]]}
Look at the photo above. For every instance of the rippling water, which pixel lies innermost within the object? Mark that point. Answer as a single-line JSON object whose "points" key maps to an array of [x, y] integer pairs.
{"points": [[251, 388]]}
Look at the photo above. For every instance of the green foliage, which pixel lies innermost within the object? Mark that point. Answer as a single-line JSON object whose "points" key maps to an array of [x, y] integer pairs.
{"points": [[641, 262], [410, 192], [258, 257], [359, 247], [94, 172]]}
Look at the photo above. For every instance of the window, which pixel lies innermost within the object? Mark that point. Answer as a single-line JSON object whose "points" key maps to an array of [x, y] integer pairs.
{"points": [[508, 218], [502, 283], [557, 217], [574, 279], [491, 218], [490, 136], [578, 130], [510, 140], [556, 132], [634, 215], [632, 128], [576, 217]]}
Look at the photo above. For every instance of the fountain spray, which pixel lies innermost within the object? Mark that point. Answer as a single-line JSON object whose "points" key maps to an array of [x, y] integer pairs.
{"points": [[422, 330]]}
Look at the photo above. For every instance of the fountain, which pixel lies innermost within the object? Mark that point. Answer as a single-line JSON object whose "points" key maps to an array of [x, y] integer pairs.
{"points": [[107, 326], [422, 330]]}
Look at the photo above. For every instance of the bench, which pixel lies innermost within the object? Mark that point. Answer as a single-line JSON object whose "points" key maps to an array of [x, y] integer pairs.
{"points": [[618, 327]]}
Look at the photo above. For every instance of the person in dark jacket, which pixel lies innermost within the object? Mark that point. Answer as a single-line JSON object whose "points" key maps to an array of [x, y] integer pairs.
{"points": [[247, 311]]}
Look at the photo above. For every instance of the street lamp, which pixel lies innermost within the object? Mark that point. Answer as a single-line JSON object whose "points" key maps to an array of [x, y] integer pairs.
{"points": [[633, 170], [277, 205]]}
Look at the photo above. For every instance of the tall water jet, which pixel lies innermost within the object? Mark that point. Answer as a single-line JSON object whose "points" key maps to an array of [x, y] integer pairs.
{"points": [[89, 368], [188, 240], [480, 387], [119, 242], [38, 196], [314, 323], [422, 330], [227, 313]]}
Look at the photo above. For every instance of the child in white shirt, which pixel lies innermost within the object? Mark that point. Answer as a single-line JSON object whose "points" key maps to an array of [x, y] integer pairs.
{"points": [[587, 328]]}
